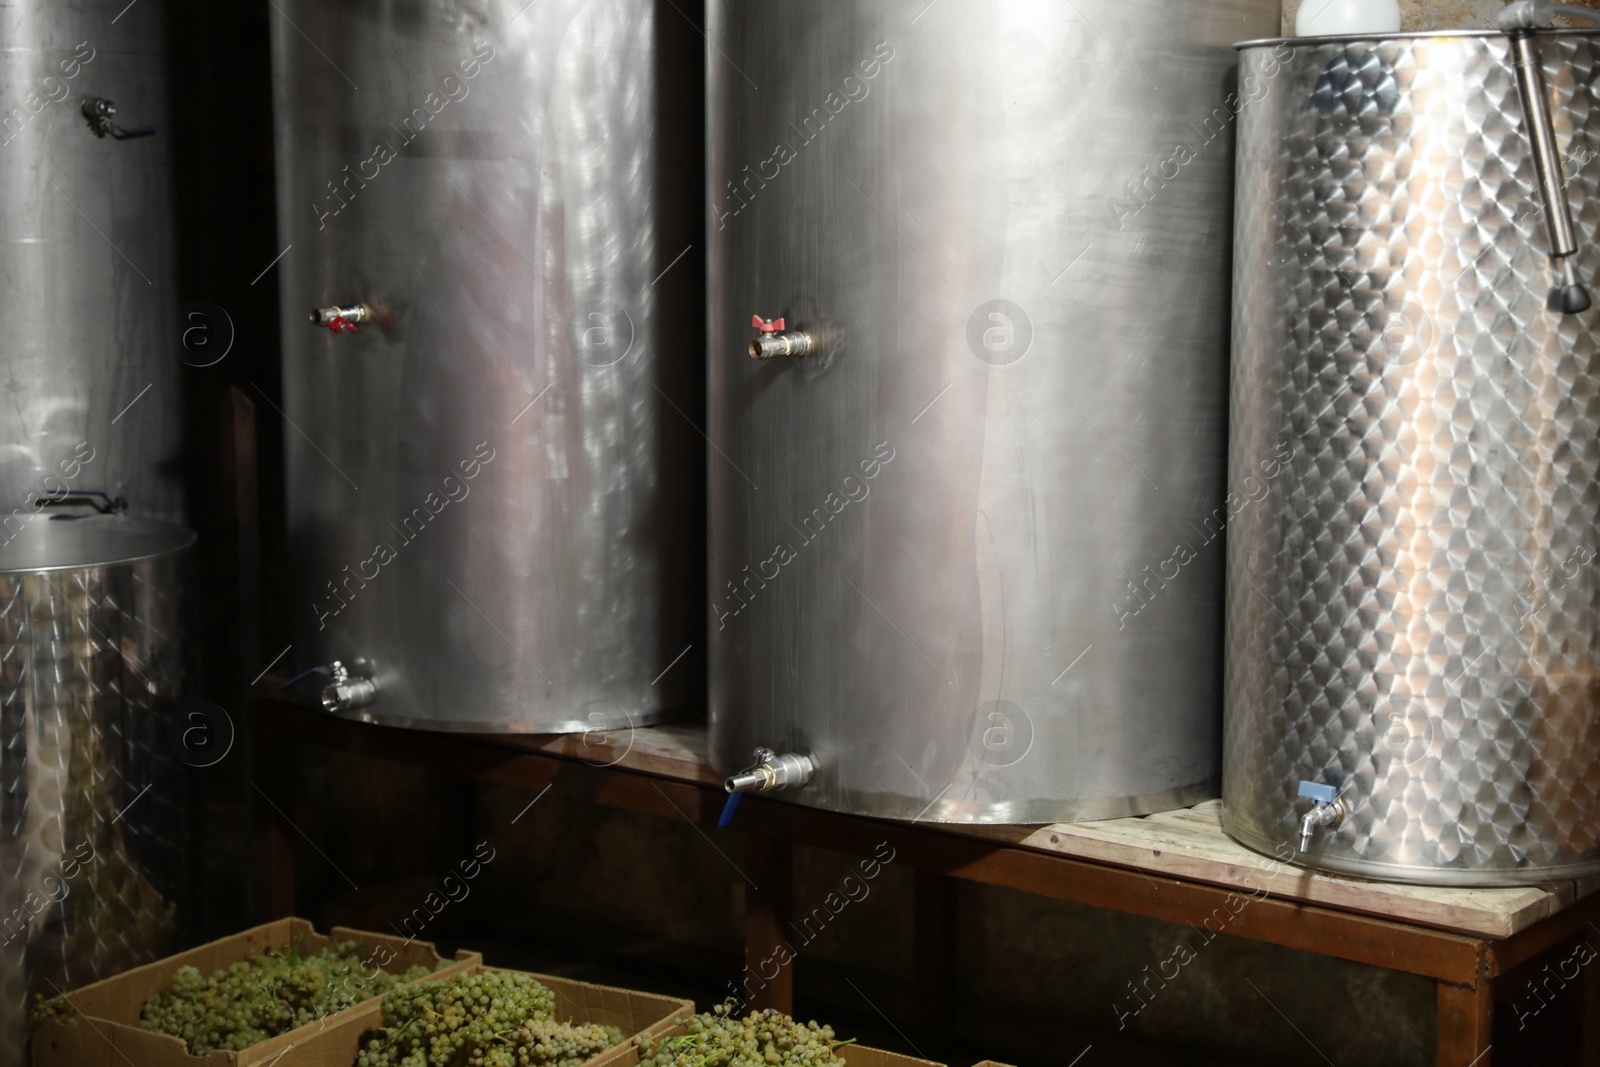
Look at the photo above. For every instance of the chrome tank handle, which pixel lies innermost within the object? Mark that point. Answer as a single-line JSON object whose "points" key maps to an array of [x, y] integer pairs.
{"points": [[1518, 21]]}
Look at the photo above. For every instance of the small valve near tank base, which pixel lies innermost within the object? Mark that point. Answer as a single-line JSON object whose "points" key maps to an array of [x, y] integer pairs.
{"points": [[345, 690], [772, 772], [1327, 810]]}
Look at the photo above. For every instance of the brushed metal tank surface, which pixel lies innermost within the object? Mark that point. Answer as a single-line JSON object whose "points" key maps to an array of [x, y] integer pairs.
{"points": [[1414, 609], [87, 270], [95, 662], [495, 488], [959, 553]]}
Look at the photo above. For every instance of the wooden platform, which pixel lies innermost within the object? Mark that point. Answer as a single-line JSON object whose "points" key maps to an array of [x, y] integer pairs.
{"points": [[1175, 866], [1187, 843]]}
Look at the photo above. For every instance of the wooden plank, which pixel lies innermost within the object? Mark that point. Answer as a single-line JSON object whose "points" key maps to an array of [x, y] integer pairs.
{"points": [[675, 751], [1466, 1022], [1577, 920], [1107, 864], [273, 774], [452, 823], [1589, 1006], [1191, 845], [935, 959], [1207, 813], [1209, 909], [671, 750], [768, 979]]}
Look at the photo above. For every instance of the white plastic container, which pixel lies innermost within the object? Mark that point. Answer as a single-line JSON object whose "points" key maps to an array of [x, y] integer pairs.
{"points": [[1326, 18]]}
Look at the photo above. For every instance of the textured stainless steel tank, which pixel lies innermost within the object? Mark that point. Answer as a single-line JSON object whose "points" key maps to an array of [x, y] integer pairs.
{"points": [[1414, 606], [495, 477], [959, 559], [95, 647], [87, 286]]}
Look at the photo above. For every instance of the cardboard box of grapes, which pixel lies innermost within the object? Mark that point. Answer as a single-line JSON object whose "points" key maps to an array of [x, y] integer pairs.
{"points": [[103, 1029], [631, 1011], [853, 1055]]}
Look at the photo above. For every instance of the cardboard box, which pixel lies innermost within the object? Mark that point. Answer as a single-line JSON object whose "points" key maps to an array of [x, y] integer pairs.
{"points": [[862, 1056], [854, 1055], [107, 1032], [631, 1011]]}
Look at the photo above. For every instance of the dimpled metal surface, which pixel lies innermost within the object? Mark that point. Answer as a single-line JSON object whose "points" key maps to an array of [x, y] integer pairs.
{"points": [[94, 801], [1412, 605]]}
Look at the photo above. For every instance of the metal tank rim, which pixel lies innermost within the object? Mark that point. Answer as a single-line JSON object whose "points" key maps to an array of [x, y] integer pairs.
{"points": [[1413, 35], [1027, 813], [1451, 877], [177, 539], [503, 728]]}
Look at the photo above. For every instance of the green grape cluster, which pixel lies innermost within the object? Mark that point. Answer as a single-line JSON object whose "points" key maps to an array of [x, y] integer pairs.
{"points": [[54, 1008], [489, 1019], [262, 997], [761, 1039]]}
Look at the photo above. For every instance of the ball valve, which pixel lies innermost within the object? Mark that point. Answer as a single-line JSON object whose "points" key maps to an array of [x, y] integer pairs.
{"points": [[341, 319], [773, 340], [345, 690], [772, 772]]}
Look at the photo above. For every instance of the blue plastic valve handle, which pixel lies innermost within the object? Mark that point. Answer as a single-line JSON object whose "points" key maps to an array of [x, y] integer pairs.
{"points": [[1322, 794], [727, 810]]}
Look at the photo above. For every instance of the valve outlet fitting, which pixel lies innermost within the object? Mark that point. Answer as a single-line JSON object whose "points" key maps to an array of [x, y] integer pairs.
{"points": [[347, 691], [771, 773]]}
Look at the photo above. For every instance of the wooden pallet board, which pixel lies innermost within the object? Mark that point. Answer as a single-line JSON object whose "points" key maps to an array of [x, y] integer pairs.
{"points": [[676, 751], [1189, 844], [1186, 844]]}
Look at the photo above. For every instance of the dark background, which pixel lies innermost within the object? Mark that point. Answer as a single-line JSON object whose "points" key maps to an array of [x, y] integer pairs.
{"points": [[221, 89]]}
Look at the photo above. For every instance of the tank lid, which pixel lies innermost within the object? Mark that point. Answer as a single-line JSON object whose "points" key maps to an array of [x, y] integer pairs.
{"points": [[59, 542], [1416, 35]]}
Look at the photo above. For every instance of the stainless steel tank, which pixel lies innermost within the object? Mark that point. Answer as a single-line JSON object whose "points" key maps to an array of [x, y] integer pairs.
{"points": [[960, 568], [1414, 609], [87, 270], [495, 484], [95, 668]]}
